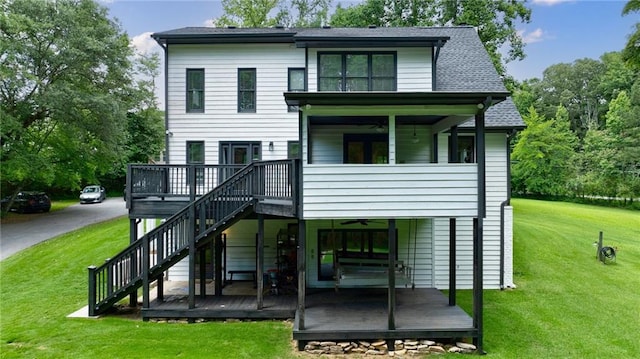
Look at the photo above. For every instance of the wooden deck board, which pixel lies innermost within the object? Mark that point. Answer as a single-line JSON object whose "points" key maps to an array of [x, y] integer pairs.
{"points": [[358, 309], [329, 315]]}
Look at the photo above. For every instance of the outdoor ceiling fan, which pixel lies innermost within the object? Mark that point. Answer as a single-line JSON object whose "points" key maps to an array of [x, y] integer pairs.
{"points": [[362, 221]]}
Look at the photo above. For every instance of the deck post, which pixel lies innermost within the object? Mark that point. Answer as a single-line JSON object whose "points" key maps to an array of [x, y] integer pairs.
{"points": [[260, 261], [145, 273], [203, 272], [301, 271], [192, 254], [133, 236], [392, 274], [478, 229], [93, 290], [218, 265], [452, 262], [453, 149]]}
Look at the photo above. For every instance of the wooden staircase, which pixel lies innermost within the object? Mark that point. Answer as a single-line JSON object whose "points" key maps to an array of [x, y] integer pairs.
{"points": [[254, 188]]}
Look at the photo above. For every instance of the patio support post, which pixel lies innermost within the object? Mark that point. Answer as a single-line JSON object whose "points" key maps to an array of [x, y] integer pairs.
{"points": [[478, 225], [301, 271], [392, 274], [260, 261], [452, 262], [133, 236], [434, 151], [218, 265], [203, 272], [453, 149], [192, 256], [145, 273]]}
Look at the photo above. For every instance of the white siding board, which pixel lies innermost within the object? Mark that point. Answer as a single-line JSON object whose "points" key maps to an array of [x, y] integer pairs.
{"points": [[241, 250], [363, 191], [220, 120], [495, 195]]}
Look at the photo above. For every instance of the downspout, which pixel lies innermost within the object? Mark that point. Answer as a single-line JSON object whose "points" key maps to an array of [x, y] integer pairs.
{"points": [[435, 56], [504, 203]]}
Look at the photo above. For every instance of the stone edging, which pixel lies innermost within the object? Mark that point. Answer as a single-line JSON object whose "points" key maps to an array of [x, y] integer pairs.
{"points": [[408, 347]]}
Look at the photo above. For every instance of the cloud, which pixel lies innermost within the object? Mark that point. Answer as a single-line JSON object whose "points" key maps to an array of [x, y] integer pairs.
{"points": [[550, 2], [209, 23], [144, 44], [536, 35]]}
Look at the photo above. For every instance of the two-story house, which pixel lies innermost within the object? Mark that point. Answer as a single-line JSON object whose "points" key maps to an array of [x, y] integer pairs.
{"points": [[350, 174]]}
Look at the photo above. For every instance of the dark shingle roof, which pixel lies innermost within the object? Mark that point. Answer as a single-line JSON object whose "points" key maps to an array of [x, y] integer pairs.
{"points": [[465, 65], [503, 115]]}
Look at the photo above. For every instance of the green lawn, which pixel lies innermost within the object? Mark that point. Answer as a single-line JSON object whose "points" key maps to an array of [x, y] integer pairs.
{"points": [[566, 305]]}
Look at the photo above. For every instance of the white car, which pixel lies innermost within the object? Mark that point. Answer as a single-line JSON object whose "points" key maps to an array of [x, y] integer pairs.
{"points": [[93, 194]]}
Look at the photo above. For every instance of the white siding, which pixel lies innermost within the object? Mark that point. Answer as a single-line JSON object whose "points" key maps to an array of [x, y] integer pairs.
{"points": [[496, 194], [414, 250], [221, 120], [327, 143], [241, 249], [389, 191]]}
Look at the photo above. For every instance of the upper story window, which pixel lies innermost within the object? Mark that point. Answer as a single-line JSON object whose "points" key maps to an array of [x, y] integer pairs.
{"points": [[195, 90], [246, 90], [357, 71], [296, 82]]}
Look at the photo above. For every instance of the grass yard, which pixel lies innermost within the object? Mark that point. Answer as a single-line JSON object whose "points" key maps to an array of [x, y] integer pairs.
{"points": [[567, 305], [40, 286]]}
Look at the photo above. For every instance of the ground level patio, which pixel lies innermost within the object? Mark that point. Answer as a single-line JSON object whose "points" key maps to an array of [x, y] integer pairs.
{"points": [[346, 314]]}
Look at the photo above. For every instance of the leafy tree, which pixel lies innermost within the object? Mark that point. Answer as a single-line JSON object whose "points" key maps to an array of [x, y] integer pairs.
{"points": [[65, 89], [543, 155], [304, 13], [617, 76], [576, 87], [248, 13], [268, 13], [494, 19], [631, 52]]}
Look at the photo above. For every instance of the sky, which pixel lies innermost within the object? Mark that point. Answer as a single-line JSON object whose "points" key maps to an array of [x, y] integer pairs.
{"points": [[560, 31]]}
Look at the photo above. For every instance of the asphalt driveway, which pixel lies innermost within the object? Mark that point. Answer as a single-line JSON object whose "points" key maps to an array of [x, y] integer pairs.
{"points": [[15, 237]]}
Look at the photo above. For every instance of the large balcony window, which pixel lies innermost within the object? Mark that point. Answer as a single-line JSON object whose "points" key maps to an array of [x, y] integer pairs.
{"points": [[356, 71]]}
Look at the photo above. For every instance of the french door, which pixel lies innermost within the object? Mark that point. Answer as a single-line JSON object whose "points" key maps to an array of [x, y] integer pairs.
{"points": [[238, 153]]}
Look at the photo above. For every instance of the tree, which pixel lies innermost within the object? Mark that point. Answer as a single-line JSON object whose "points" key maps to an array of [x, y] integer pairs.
{"points": [[543, 155], [495, 20], [631, 52], [248, 13], [65, 89], [304, 13], [268, 13], [576, 87]]}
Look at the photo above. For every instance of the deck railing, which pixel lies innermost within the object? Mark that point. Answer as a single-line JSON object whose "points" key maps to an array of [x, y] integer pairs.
{"points": [[162, 247], [175, 180]]}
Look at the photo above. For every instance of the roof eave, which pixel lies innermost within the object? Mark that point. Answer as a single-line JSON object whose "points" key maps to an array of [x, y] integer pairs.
{"points": [[223, 38], [350, 42], [391, 98]]}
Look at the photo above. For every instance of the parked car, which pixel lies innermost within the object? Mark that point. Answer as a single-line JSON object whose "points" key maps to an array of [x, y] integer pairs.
{"points": [[28, 202], [93, 194]]}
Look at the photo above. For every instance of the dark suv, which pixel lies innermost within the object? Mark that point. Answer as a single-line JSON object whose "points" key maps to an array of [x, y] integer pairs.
{"points": [[28, 201]]}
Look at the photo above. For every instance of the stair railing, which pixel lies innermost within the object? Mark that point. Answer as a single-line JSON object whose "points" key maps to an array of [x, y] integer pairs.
{"points": [[123, 274]]}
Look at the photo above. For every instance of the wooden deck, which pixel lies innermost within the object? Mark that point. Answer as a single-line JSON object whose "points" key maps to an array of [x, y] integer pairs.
{"points": [[362, 314], [223, 307]]}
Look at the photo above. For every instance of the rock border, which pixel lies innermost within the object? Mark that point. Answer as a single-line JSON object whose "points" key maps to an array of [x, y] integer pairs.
{"points": [[406, 347]]}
